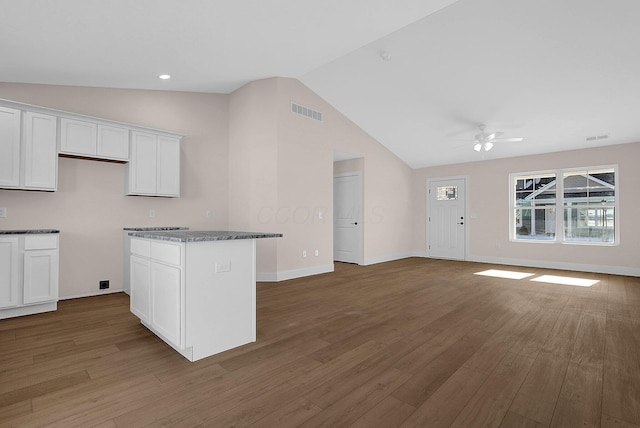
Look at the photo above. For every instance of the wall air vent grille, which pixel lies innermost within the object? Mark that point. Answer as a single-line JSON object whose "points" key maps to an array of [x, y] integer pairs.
{"points": [[306, 111]]}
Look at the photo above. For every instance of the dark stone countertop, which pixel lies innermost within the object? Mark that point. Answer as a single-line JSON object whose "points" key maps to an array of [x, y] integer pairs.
{"points": [[202, 235], [28, 231], [153, 229]]}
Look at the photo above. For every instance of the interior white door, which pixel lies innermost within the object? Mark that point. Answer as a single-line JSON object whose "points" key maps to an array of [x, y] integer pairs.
{"points": [[347, 218], [446, 219]]}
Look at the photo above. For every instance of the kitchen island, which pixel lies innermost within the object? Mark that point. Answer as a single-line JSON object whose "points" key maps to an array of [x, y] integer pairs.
{"points": [[196, 290]]}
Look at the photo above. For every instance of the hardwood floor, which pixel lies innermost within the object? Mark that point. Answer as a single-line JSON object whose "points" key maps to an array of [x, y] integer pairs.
{"points": [[411, 343]]}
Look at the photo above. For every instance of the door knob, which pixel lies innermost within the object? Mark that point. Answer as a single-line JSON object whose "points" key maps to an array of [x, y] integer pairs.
{"points": [[461, 222], [355, 223]]}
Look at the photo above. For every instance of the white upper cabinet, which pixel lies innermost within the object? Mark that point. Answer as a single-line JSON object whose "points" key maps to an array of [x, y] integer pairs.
{"points": [[90, 139], [28, 153], [32, 137], [78, 137], [41, 157], [113, 142], [9, 148], [154, 168]]}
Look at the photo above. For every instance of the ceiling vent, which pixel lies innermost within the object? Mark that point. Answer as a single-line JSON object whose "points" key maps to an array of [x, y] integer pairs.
{"points": [[598, 137], [306, 111]]}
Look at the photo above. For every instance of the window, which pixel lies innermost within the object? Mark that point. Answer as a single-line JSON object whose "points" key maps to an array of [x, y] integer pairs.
{"points": [[447, 193], [577, 206]]}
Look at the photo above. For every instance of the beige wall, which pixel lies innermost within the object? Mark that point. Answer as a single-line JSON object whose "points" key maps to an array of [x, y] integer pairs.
{"points": [[90, 207], [303, 176], [488, 188]]}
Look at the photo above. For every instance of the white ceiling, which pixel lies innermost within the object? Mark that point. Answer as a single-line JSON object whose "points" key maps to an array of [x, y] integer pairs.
{"points": [[553, 72]]}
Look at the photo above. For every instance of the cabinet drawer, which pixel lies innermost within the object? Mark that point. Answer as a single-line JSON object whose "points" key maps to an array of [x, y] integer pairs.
{"points": [[140, 247], [41, 242], [167, 253]]}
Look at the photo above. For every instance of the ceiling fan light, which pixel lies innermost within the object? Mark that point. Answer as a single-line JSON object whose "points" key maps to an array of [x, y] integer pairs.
{"points": [[477, 147], [488, 146]]}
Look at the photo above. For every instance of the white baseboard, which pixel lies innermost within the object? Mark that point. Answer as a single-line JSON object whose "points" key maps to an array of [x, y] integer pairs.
{"points": [[580, 267], [97, 293], [292, 274], [389, 258]]}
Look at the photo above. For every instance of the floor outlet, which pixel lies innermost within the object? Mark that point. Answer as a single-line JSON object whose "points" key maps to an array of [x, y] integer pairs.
{"points": [[104, 285]]}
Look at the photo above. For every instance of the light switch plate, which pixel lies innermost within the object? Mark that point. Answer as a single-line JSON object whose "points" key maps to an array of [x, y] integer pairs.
{"points": [[3, 212]]}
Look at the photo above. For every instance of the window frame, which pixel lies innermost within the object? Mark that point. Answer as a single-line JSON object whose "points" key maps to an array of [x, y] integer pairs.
{"points": [[559, 206]]}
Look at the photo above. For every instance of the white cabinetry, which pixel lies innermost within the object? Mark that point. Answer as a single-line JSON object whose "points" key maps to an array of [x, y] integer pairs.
{"points": [[199, 297], [28, 274], [28, 153], [9, 272], [154, 169], [95, 140], [158, 295], [9, 147]]}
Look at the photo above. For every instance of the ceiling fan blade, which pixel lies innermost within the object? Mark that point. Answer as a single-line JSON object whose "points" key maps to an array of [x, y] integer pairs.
{"points": [[493, 135], [509, 140]]}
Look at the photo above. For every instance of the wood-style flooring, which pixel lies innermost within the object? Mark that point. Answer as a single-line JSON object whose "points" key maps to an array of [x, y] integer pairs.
{"points": [[411, 343]]}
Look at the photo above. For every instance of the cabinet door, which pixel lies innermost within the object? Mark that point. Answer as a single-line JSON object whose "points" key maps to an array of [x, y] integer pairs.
{"points": [[168, 166], [140, 281], [40, 276], [113, 142], [143, 165], [9, 275], [165, 301], [78, 137], [41, 153], [9, 147]]}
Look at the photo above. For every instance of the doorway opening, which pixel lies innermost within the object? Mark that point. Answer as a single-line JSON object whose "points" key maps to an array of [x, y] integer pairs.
{"points": [[347, 210]]}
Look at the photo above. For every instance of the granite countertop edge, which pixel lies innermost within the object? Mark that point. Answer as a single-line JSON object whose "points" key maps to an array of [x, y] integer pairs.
{"points": [[202, 235], [28, 231], [153, 228]]}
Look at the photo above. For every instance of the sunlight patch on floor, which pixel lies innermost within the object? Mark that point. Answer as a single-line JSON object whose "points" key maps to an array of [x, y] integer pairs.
{"points": [[497, 273], [566, 280]]}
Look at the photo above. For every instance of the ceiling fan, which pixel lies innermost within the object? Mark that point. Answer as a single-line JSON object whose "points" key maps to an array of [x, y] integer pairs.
{"points": [[485, 140]]}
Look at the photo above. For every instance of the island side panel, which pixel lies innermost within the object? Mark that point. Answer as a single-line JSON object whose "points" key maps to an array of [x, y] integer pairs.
{"points": [[220, 295]]}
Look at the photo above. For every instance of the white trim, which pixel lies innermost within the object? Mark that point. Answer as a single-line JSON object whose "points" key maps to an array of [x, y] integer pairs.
{"points": [[389, 258], [97, 293], [580, 267], [292, 274]]}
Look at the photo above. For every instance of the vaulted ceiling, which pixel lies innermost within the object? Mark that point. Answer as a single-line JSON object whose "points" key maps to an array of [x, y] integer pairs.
{"points": [[419, 76]]}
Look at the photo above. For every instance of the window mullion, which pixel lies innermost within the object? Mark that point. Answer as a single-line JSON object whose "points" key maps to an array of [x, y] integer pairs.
{"points": [[559, 206]]}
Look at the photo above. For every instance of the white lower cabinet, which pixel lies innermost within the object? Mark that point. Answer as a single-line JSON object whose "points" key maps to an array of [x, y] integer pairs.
{"points": [[141, 296], [28, 274], [199, 297], [165, 303], [9, 272], [156, 298]]}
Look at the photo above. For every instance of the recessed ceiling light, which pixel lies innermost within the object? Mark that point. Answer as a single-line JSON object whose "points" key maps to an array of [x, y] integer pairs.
{"points": [[164, 76]]}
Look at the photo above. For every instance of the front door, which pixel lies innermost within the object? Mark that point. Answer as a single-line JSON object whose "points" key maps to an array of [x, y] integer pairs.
{"points": [[446, 222]]}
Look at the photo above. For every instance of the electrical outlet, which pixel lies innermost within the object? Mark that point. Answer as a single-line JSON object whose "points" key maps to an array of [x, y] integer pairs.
{"points": [[208, 214], [304, 253], [104, 284], [317, 253], [152, 213], [3, 212]]}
